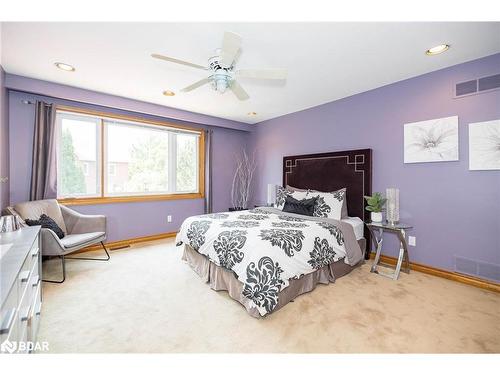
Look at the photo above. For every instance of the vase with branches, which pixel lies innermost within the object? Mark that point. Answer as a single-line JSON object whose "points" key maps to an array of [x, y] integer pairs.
{"points": [[242, 181]]}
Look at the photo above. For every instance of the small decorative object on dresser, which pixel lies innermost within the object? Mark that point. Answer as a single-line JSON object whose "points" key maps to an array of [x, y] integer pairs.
{"points": [[9, 223], [375, 204], [392, 205], [21, 289]]}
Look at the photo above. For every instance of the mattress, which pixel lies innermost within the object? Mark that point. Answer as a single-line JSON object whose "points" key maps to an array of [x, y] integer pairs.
{"points": [[357, 225]]}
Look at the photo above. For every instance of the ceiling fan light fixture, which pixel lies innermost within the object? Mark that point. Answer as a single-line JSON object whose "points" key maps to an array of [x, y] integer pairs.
{"points": [[437, 49], [221, 85], [65, 67], [168, 93]]}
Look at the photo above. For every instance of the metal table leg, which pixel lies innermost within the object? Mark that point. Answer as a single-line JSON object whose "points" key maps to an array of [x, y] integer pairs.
{"points": [[403, 257], [404, 248], [378, 244]]}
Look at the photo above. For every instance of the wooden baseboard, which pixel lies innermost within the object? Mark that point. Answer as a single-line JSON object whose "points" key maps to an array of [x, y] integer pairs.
{"points": [[465, 279], [114, 245]]}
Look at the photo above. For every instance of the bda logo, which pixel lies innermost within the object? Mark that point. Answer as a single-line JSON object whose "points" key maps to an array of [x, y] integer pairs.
{"points": [[8, 347]]}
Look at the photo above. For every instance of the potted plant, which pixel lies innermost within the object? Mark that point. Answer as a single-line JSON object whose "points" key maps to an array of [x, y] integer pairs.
{"points": [[242, 181], [375, 204]]}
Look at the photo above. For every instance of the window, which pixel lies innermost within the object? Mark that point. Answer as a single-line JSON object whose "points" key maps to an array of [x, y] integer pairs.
{"points": [[186, 162], [78, 145], [111, 169], [106, 158], [85, 167]]}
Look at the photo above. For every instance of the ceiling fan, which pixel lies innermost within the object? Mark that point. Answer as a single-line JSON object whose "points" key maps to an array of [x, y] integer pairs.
{"points": [[222, 69]]}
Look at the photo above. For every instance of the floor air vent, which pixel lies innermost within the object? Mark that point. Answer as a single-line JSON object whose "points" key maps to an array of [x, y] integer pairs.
{"points": [[477, 268], [477, 86]]}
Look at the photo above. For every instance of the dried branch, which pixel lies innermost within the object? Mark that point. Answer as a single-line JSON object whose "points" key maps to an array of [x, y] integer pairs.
{"points": [[242, 180]]}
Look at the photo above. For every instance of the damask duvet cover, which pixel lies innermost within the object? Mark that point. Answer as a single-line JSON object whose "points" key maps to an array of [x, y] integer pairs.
{"points": [[266, 247]]}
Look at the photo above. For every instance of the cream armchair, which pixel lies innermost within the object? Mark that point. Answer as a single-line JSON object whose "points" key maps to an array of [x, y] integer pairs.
{"points": [[80, 230]]}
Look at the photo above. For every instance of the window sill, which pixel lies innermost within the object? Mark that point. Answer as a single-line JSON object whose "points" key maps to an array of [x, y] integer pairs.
{"points": [[138, 198]]}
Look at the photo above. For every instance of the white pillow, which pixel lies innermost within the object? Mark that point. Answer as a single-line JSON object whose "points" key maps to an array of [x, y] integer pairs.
{"points": [[328, 204], [282, 193]]}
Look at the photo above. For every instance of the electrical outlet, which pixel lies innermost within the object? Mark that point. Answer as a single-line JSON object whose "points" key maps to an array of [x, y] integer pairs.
{"points": [[412, 240], [169, 218]]}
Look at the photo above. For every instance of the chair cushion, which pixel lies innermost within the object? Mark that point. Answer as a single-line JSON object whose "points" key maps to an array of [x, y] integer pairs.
{"points": [[74, 240], [33, 210]]}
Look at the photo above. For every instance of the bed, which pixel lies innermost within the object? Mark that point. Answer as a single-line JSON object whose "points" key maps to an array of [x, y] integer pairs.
{"points": [[265, 258]]}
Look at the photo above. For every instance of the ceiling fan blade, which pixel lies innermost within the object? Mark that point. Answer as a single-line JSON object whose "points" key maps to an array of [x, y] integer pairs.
{"points": [[262, 73], [240, 93], [195, 85], [230, 46], [177, 61]]}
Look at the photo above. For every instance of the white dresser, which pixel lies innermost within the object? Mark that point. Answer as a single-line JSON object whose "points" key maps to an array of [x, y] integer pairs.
{"points": [[20, 289]]}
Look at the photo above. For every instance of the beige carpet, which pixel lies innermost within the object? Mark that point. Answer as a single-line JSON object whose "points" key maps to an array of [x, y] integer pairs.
{"points": [[147, 300]]}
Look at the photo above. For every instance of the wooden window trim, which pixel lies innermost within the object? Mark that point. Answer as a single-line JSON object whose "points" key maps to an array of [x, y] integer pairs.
{"points": [[138, 198]]}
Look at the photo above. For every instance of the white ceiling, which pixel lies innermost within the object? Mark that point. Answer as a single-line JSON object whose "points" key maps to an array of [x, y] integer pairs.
{"points": [[325, 61]]}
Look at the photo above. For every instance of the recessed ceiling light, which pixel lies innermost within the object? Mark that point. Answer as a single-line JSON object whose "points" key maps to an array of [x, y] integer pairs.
{"points": [[252, 113], [437, 50], [65, 67], [168, 93]]}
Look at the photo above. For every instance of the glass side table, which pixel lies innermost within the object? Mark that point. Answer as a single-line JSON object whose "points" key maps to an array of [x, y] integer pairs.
{"points": [[377, 230]]}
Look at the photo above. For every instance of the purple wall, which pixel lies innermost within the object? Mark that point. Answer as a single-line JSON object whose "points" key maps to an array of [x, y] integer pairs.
{"points": [[453, 210], [125, 220], [36, 86], [4, 141]]}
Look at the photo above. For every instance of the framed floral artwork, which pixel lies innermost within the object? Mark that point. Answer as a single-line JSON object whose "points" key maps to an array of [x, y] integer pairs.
{"points": [[484, 145], [431, 141]]}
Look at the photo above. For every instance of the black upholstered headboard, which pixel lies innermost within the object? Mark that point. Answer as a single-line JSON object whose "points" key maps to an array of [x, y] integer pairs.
{"points": [[331, 171]]}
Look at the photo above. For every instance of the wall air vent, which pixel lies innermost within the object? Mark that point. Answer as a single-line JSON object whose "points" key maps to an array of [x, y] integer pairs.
{"points": [[477, 86], [489, 83], [465, 88], [477, 268]]}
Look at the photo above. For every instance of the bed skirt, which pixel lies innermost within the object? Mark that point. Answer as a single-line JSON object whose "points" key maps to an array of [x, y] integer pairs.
{"points": [[220, 278]]}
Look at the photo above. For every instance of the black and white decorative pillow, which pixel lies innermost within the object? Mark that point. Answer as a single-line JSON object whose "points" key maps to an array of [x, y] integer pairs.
{"points": [[48, 223], [282, 193], [330, 205]]}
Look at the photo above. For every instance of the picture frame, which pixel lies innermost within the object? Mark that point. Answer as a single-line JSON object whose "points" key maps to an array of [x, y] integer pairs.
{"points": [[431, 140]]}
